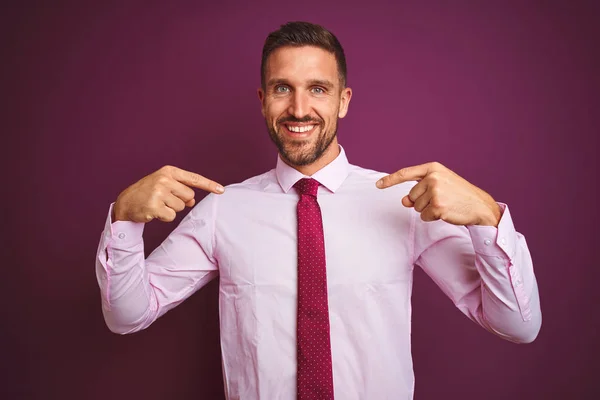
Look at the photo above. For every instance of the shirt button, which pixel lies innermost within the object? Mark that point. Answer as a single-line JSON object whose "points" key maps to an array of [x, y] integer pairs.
{"points": [[503, 241], [517, 283], [487, 242], [122, 235]]}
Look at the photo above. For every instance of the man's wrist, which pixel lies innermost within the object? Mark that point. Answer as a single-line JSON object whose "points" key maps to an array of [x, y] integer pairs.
{"points": [[115, 213], [492, 216]]}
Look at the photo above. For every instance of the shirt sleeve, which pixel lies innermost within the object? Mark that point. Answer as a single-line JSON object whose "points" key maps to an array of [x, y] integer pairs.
{"points": [[136, 291], [486, 271]]}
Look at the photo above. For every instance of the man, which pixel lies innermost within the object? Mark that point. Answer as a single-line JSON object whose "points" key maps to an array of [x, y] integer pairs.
{"points": [[315, 257]]}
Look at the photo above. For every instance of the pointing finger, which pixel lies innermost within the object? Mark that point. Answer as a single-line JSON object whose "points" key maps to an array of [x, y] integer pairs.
{"points": [[414, 173], [196, 180]]}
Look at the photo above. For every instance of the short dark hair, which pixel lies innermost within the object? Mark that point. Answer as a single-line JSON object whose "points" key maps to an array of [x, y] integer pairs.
{"points": [[299, 34]]}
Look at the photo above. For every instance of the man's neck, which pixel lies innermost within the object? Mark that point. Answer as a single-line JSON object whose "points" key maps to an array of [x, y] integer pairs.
{"points": [[327, 157]]}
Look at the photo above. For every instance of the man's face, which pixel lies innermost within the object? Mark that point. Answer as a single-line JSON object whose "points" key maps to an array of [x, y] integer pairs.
{"points": [[302, 102]]}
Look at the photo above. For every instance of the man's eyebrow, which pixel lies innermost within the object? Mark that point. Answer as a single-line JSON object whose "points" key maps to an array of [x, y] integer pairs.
{"points": [[277, 81], [312, 82], [321, 82]]}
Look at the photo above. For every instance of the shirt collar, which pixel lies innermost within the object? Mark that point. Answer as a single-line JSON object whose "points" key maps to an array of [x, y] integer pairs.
{"points": [[330, 176]]}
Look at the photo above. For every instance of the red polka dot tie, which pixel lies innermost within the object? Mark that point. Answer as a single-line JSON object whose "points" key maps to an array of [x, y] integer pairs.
{"points": [[315, 376]]}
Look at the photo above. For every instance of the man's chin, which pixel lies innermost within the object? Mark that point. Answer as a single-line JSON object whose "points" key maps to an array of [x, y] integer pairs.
{"points": [[297, 158], [296, 146]]}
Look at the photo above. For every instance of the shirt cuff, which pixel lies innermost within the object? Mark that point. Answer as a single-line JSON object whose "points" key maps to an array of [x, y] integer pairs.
{"points": [[492, 241], [122, 233]]}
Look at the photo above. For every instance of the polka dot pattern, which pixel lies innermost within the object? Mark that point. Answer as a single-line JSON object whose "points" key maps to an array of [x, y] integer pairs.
{"points": [[315, 375]]}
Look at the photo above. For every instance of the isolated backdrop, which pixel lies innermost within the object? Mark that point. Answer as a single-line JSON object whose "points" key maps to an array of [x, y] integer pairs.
{"points": [[96, 95]]}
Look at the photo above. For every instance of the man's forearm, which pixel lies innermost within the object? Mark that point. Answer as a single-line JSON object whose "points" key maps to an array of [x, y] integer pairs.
{"points": [[123, 280], [510, 304]]}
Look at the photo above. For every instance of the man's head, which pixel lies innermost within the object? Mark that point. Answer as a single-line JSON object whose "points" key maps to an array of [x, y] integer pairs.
{"points": [[303, 91]]}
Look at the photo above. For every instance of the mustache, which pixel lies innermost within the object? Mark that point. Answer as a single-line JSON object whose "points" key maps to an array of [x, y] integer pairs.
{"points": [[306, 119]]}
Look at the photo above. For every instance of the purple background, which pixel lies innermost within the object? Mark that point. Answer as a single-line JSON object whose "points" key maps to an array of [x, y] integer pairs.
{"points": [[97, 96]]}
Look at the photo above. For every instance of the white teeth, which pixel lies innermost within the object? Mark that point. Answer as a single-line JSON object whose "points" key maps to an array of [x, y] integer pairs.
{"points": [[300, 129]]}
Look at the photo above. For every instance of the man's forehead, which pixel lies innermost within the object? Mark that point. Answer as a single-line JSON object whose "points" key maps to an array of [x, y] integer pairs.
{"points": [[309, 61]]}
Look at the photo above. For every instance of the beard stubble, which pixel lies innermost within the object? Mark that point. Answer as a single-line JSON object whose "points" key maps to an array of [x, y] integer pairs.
{"points": [[294, 152]]}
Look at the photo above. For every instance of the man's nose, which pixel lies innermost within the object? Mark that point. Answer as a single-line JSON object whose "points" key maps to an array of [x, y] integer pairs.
{"points": [[299, 105]]}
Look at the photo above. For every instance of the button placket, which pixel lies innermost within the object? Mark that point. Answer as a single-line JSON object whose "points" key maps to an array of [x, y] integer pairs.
{"points": [[519, 291]]}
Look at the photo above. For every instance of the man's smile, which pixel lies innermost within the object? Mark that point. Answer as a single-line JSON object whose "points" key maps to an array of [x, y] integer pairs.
{"points": [[299, 130]]}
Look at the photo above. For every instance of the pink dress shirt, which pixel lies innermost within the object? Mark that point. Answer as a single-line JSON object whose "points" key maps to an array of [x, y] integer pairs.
{"points": [[247, 237]]}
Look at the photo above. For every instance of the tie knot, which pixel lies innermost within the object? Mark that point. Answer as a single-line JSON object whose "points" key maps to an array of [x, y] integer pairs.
{"points": [[307, 186]]}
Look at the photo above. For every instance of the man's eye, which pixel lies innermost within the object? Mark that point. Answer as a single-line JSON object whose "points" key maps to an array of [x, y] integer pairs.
{"points": [[318, 90], [281, 89]]}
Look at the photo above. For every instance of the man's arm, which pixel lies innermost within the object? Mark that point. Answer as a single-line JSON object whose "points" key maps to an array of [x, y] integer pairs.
{"points": [[467, 243], [486, 271], [136, 291]]}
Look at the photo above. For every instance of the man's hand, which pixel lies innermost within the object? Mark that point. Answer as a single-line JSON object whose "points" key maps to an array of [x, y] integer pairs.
{"points": [[442, 194], [161, 195]]}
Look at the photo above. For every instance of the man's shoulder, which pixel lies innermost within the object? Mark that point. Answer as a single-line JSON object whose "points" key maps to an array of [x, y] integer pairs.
{"points": [[361, 174], [232, 193], [255, 183]]}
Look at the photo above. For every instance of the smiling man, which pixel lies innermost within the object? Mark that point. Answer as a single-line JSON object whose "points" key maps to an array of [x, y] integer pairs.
{"points": [[315, 257], [303, 94]]}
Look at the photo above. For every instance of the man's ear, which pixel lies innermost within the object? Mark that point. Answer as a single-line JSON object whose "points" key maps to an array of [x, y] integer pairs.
{"points": [[345, 97], [261, 97]]}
